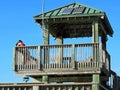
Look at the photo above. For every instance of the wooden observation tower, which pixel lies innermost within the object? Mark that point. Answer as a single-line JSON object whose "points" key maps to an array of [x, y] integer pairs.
{"points": [[84, 66]]}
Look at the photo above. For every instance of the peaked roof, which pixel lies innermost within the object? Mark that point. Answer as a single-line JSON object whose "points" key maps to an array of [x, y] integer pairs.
{"points": [[73, 9]]}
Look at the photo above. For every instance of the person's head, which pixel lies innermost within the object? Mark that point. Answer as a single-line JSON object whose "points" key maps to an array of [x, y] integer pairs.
{"points": [[20, 43]]}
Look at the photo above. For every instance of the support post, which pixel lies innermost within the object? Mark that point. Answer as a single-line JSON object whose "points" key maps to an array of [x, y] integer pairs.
{"points": [[60, 51], [96, 81], [14, 59], [104, 39], [95, 35], [46, 51], [45, 79], [39, 58], [35, 88], [95, 32], [45, 35], [73, 56], [60, 40]]}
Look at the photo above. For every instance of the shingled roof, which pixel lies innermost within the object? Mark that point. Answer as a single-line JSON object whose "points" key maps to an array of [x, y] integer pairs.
{"points": [[70, 10], [75, 10]]}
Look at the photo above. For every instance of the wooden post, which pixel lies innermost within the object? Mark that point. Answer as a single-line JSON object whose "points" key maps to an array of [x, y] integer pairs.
{"points": [[101, 55], [95, 32], [45, 35], [60, 40], [14, 59], [73, 56], [95, 35], [46, 51], [60, 50], [104, 39], [96, 81], [39, 58], [45, 79], [35, 88]]}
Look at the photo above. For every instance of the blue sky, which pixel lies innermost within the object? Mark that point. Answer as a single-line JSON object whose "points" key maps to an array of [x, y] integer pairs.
{"points": [[16, 22]]}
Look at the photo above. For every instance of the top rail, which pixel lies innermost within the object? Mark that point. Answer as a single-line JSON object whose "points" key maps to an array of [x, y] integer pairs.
{"points": [[41, 86], [89, 55]]}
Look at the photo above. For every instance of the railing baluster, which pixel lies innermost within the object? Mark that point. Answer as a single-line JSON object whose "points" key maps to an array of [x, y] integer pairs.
{"points": [[61, 56]]}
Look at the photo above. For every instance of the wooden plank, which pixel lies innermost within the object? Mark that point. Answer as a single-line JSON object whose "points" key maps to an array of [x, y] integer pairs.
{"points": [[73, 78], [73, 56], [45, 35]]}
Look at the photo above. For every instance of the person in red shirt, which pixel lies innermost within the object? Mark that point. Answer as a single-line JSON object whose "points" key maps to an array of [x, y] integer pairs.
{"points": [[23, 51], [20, 43]]}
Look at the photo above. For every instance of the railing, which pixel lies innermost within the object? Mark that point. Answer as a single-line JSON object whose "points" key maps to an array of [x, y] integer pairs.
{"points": [[90, 55], [105, 58], [61, 86]]}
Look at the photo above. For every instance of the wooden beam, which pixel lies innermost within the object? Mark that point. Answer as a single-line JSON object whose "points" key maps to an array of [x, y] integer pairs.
{"points": [[71, 20], [96, 80], [45, 79], [45, 35], [95, 35], [71, 79], [60, 40], [60, 49], [95, 32], [102, 27], [73, 56]]}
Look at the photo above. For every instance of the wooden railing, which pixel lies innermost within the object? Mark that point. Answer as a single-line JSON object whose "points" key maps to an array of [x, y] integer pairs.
{"points": [[60, 86], [90, 55]]}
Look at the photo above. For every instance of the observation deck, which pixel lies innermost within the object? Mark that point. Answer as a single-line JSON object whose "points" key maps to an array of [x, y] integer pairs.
{"points": [[80, 63], [61, 59]]}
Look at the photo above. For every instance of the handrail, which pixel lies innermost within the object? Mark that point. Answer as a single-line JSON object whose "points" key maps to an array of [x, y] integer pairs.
{"points": [[67, 56], [103, 88], [57, 86]]}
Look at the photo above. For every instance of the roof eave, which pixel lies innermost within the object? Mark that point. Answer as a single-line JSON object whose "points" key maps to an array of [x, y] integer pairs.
{"points": [[108, 25], [66, 16]]}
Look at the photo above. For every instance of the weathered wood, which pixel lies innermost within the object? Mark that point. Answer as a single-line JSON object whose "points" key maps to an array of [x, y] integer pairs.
{"points": [[77, 58], [45, 34], [71, 78], [73, 56], [45, 79], [41, 86], [95, 31], [14, 59], [96, 79]]}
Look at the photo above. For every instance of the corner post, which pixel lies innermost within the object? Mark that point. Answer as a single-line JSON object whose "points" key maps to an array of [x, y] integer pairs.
{"points": [[60, 40], [46, 51], [45, 34]]}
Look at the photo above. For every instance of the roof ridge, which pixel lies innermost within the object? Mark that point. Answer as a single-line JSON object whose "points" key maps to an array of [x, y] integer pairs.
{"points": [[74, 5]]}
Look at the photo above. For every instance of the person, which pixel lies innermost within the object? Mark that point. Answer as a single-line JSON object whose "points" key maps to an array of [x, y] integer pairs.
{"points": [[20, 43], [25, 53]]}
